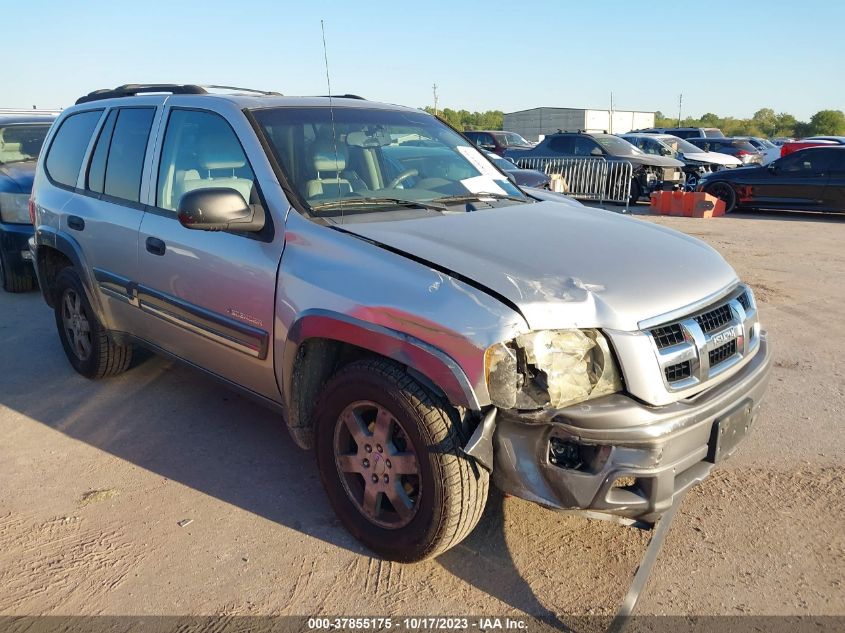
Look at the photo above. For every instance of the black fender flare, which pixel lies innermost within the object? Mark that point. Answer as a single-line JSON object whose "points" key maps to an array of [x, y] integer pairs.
{"points": [[430, 362], [70, 248]]}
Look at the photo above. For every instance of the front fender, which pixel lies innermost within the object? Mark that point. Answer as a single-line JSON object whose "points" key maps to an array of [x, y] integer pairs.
{"points": [[437, 367]]}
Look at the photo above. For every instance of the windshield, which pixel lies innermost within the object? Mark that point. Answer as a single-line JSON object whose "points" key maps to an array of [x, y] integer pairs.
{"points": [[370, 160], [617, 146], [679, 145], [502, 163], [21, 142], [509, 139]]}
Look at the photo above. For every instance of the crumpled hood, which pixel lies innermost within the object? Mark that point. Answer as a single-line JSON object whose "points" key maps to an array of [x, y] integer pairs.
{"points": [[17, 177], [564, 265], [715, 158], [654, 160]]}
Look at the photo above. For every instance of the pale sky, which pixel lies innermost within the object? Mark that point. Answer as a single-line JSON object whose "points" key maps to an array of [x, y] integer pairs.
{"points": [[727, 57]]}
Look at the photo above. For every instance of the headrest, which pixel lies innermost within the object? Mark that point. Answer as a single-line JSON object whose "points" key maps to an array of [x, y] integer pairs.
{"points": [[325, 157], [220, 152]]}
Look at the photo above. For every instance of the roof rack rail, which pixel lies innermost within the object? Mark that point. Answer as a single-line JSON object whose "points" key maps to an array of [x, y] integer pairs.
{"points": [[345, 96], [131, 90]]}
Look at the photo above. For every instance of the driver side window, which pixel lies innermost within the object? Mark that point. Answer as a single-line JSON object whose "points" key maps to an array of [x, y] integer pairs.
{"points": [[201, 151]]}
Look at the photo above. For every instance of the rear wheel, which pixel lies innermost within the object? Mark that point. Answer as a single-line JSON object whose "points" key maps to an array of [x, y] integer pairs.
{"points": [[12, 281], [90, 349], [389, 457], [724, 192]]}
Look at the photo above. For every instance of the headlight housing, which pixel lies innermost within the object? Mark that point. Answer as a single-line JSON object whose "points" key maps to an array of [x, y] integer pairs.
{"points": [[554, 368], [14, 208]]}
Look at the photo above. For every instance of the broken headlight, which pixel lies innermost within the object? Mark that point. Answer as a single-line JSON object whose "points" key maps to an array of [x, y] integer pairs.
{"points": [[554, 368]]}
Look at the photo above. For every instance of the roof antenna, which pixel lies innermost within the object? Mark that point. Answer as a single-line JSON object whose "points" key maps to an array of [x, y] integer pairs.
{"points": [[331, 113]]}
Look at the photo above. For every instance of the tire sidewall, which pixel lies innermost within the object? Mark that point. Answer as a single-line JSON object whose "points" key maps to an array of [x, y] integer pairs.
{"points": [[405, 543], [68, 279], [728, 208]]}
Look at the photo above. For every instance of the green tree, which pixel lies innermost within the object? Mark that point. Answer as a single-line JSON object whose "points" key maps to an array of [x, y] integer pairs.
{"points": [[710, 120], [765, 120], [828, 122], [785, 124]]}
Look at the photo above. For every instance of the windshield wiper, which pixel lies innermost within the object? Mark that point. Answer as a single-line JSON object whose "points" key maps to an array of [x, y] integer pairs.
{"points": [[361, 202], [469, 197]]}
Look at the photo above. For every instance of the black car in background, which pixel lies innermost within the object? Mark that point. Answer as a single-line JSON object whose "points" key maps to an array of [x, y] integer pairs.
{"points": [[741, 148], [21, 138], [651, 173], [811, 179], [522, 177], [497, 141]]}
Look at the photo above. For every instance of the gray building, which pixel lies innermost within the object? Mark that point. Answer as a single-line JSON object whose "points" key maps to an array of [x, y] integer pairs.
{"points": [[536, 122]]}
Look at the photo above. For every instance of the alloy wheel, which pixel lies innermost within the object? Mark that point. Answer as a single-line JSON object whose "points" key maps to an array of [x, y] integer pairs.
{"points": [[377, 464], [76, 324]]}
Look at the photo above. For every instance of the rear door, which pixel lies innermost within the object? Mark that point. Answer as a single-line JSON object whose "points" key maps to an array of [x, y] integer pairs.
{"points": [[834, 192], [797, 181], [208, 297]]}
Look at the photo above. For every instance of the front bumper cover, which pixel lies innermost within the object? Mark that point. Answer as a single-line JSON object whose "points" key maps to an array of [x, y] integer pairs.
{"points": [[637, 457]]}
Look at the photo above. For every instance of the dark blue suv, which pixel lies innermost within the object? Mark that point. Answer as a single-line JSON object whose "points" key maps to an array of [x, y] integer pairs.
{"points": [[21, 137]]}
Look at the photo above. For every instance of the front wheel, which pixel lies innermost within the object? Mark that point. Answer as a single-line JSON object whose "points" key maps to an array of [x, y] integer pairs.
{"points": [[389, 457], [724, 192]]}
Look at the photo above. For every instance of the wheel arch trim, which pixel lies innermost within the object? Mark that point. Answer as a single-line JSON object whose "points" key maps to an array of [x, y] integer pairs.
{"points": [[425, 359], [70, 248]]}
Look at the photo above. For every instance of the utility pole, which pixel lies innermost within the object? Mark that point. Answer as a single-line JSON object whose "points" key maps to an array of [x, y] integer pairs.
{"points": [[610, 131], [680, 103], [434, 90]]}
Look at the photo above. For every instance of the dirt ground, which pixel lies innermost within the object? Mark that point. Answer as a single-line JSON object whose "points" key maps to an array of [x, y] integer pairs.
{"points": [[159, 492]]}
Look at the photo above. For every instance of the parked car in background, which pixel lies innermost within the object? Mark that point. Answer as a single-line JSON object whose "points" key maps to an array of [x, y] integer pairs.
{"points": [[426, 333], [738, 147], [21, 137], [811, 179], [794, 146], [523, 177], [497, 141], [696, 161], [840, 140], [779, 141], [685, 132], [651, 173], [769, 150]]}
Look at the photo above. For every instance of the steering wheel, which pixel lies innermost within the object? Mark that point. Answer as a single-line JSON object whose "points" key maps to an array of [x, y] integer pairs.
{"points": [[408, 173]]}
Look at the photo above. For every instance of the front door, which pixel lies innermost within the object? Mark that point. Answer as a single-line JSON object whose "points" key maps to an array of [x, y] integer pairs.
{"points": [[208, 297], [796, 181]]}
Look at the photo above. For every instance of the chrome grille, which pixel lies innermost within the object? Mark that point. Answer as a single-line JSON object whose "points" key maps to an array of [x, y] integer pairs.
{"points": [[694, 349], [714, 319], [723, 353], [668, 336], [678, 372]]}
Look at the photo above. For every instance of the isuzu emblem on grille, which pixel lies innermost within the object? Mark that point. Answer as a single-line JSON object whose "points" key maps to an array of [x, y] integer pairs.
{"points": [[725, 336]]}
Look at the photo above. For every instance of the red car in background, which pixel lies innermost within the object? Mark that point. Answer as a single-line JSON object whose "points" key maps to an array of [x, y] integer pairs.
{"points": [[794, 146]]}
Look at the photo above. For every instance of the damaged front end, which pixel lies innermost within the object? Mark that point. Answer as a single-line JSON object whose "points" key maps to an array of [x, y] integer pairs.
{"points": [[562, 432]]}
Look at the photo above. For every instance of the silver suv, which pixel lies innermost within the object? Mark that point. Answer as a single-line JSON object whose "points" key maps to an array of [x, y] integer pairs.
{"points": [[416, 319]]}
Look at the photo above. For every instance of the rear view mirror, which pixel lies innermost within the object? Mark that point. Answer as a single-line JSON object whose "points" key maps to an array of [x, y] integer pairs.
{"points": [[219, 209]]}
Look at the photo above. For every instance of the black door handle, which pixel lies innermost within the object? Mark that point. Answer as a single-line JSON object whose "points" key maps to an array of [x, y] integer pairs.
{"points": [[155, 246], [76, 223]]}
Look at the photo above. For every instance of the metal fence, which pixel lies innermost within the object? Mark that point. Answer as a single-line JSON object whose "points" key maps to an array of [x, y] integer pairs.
{"points": [[588, 178]]}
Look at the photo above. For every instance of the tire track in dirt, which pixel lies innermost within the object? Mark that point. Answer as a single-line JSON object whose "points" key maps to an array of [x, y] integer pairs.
{"points": [[47, 566]]}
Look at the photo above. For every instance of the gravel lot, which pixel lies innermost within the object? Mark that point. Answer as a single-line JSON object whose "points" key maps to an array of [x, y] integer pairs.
{"points": [[96, 478]]}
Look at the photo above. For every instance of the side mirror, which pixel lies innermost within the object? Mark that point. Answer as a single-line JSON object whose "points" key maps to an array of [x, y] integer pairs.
{"points": [[510, 159], [219, 209], [511, 177], [665, 151], [596, 152]]}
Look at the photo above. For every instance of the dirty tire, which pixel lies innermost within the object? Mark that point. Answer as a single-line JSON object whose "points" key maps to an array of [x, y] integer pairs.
{"points": [[724, 192], [106, 357], [452, 487], [13, 282]]}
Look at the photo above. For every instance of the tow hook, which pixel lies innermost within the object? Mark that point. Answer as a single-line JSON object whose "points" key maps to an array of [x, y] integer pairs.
{"points": [[480, 445]]}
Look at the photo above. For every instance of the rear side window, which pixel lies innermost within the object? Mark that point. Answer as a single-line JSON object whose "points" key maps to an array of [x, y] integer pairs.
{"points": [[561, 144], [126, 153], [68, 147], [97, 169]]}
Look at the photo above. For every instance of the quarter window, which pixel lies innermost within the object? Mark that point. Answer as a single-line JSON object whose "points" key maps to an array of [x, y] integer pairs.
{"points": [[201, 151], [68, 147]]}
